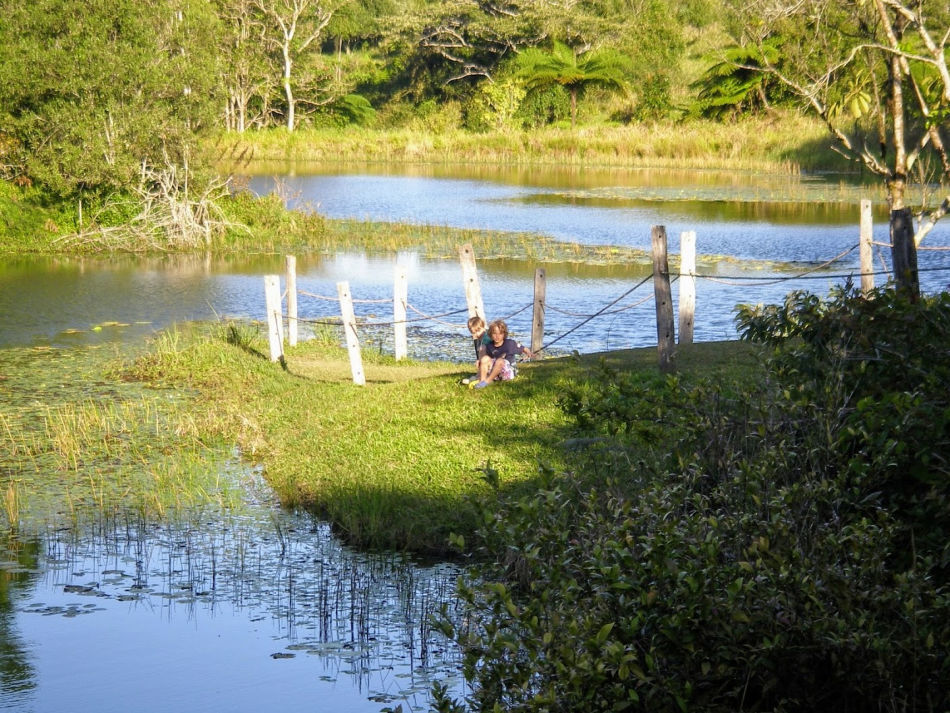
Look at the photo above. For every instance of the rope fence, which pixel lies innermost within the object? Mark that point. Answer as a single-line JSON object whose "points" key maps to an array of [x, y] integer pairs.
{"points": [[661, 296]]}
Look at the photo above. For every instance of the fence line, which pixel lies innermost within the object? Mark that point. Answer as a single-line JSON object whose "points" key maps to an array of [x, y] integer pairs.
{"points": [[660, 274]]}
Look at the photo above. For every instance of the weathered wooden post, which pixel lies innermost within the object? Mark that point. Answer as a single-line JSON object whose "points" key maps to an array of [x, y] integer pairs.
{"points": [[663, 297], [473, 293], [687, 285], [400, 302], [275, 321], [349, 328], [537, 322], [866, 248], [291, 263]]}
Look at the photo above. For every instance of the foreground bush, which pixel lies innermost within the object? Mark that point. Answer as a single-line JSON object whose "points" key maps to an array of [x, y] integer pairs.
{"points": [[781, 546]]}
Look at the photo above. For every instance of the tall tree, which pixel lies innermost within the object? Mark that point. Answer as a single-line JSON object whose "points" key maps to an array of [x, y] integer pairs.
{"points": [[575, 72], [90, 99], [900, 49], [245, 76], [294, 28]]}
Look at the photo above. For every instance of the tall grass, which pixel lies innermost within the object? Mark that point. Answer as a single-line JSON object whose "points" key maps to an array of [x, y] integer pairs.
{"points": [[87, 443], [787, 143]]}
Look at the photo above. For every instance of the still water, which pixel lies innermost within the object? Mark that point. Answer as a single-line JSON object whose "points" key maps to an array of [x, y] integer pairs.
{"points": [[267, 609], [263, 610]]}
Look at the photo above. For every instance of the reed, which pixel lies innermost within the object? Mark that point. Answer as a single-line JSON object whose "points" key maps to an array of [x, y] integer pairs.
{"points": [[11, 505], [101, 448]]}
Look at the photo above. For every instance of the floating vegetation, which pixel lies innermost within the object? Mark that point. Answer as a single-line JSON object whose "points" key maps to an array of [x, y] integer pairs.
{"points": [[72, 438]]}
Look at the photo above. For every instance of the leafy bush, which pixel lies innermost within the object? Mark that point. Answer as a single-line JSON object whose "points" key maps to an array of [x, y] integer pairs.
{"points": [[545, 105], [779, 545]]}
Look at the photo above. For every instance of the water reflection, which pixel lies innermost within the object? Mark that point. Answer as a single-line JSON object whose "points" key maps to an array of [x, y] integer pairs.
{"points": [[750, 222], [18, 573], [231, 612], [61, 301]]}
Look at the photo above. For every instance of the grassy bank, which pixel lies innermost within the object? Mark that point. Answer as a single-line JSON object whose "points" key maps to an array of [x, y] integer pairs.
{"points": [[788, 143], [395, 463]]}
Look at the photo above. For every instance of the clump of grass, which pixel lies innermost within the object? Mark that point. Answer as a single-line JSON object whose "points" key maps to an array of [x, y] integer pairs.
{"points": [[11, 505], [89, 444]]}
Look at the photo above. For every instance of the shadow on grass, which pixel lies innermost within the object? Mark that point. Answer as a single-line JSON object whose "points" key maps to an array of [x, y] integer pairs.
{"points": [[422, 518]]}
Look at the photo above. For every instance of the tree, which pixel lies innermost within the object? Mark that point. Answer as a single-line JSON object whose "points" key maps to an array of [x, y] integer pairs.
{"points": [[88, 101], [728, 86], [575, 72], [294, 26], [244, 67], [892, 55]]}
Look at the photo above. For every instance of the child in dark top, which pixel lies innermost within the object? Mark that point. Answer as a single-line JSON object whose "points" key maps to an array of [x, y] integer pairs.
{"points": [[498, 363], [480, 341]]}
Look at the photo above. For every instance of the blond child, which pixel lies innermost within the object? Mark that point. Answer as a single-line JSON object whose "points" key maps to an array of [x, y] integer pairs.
{"points": [[498, 362], [480, 341]]}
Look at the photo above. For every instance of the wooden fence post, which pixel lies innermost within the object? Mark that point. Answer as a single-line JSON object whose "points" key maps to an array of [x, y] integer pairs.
{"points": [[349, 328], [473, 293], [537, 322], [866, 248], [687, 285], [663, 298], [400, 301], [291, 262], [275, 321]]}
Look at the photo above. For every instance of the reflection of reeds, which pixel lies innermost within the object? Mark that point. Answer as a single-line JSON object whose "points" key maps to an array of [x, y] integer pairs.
{"points": [[11, 505], [367, 616]]}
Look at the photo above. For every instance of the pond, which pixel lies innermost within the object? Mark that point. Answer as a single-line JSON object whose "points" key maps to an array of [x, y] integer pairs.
{"points": [[252, 611], [774, 242]]}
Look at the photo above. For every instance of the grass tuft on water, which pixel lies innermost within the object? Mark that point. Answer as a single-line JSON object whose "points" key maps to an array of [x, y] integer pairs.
{"points": [[74, 441]]}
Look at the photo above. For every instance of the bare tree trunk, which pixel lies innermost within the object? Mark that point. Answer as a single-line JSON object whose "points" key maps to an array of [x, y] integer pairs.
{"points": [[903, 246], [288, 90], [904, 252]]}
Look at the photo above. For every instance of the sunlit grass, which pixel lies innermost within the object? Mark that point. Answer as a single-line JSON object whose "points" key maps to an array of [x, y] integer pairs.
{"points": [[396, 462], [69, 446], [787, 144]]}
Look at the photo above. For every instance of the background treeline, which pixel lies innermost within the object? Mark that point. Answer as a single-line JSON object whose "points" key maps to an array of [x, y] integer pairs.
{"points": [[109, 96]]}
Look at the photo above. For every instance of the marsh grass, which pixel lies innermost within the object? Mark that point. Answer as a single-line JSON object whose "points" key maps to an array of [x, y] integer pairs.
{"points": [[787, 143], [73, 441], [399, 462]]}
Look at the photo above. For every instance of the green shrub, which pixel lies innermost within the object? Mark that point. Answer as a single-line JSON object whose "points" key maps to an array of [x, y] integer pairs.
{"points": [[776, 546]]}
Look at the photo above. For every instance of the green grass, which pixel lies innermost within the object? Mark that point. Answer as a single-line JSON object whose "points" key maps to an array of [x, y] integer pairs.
{"points": [[789, 143], [395, 463], [74, 441]]}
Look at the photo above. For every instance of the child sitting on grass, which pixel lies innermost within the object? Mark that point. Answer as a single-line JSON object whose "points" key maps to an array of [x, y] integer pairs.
{"points": [[480, 340], [498, 363]]}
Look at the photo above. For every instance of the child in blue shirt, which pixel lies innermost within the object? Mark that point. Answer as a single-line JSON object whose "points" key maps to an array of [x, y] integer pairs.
{"points": [[480, 341]]}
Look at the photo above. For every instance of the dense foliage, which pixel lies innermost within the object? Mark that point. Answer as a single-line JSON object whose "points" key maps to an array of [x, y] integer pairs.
{"points": [[778, 546], [88, 97]]}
